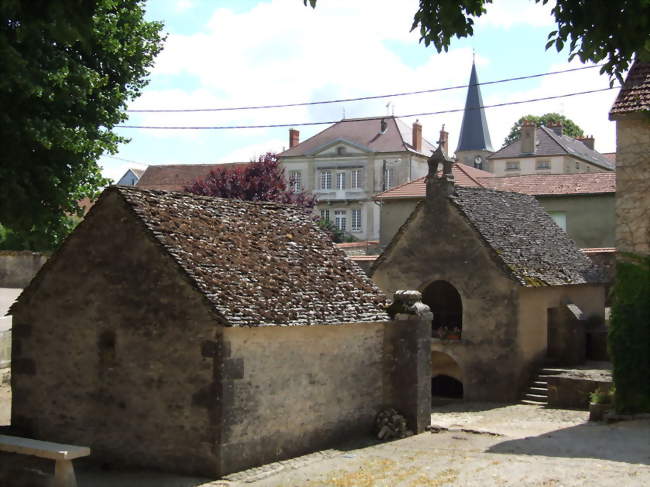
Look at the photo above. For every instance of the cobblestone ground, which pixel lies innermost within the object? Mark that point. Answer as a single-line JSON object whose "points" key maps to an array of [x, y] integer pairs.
{"points": [[476, 444]]}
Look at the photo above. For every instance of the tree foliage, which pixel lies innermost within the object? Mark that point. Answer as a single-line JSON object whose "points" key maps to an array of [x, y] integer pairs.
{"points": [[261, 180], [610, 31], [629, 334], [67, 71], [569, 127]]}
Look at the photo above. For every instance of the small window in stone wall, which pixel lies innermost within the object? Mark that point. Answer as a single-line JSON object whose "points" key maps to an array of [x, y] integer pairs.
{"points": [[447, 308], [512, 165], [543, 164]]}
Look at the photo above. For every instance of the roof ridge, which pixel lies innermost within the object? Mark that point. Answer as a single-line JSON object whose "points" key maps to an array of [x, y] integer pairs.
{"points": [[467, 174]]}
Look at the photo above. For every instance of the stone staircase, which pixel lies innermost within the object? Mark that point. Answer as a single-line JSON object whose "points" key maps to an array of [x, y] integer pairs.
{"points": [[537, 393]]}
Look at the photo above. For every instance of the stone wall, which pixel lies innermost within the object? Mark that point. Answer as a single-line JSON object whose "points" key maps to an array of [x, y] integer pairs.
{"points": [[107, 352], [633, 185], [5, 341], [287, 391], [17, 268]]}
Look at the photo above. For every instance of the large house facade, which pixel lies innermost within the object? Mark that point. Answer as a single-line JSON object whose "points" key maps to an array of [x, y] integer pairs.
{"points": [[348, 163]]}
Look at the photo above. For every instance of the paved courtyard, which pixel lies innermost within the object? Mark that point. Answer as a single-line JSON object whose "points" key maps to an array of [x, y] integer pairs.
{"points": [[471, 444]]}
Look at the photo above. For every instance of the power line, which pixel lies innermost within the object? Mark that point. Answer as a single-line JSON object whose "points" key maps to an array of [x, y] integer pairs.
{"points": [[304, 124], [361, 98], [125, 160]]}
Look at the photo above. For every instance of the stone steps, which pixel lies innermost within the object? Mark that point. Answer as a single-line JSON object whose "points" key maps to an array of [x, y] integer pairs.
{"points": [[537, 393]]}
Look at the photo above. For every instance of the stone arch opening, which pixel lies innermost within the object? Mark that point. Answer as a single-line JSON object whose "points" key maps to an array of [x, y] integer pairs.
{"points": [[447, 307], [446, 377], [446, 386]]}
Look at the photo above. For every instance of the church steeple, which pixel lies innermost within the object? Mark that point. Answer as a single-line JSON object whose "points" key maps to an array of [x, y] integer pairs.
{"points": [[474, 133]]}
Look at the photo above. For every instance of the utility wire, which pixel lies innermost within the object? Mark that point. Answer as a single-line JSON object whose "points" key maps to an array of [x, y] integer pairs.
{"points": [[304, 124], [372, 97], [124, 160]]}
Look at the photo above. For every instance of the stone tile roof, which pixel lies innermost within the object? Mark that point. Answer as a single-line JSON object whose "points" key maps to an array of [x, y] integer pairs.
{"points": [[464, 175], [174, 177], [364, 132], [555, 184], [535, 251], [635, 93], [551, 144], [258, 264]]}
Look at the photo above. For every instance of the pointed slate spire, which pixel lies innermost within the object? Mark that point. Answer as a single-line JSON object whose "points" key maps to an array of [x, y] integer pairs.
{"points": [[474, 133]]}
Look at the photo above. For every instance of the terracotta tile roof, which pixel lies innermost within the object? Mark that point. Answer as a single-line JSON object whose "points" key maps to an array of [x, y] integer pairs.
{"points": [[258, 264], [362, 243], [174, 177], [363, 132], [555, 184], [532, 184], [464, 175], [635, 93], [524, 237], [551, 144]]}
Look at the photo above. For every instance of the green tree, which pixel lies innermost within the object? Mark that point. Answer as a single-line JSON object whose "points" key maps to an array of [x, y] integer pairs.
{"points": [[68, 68], [611, 31], [570, 128]]}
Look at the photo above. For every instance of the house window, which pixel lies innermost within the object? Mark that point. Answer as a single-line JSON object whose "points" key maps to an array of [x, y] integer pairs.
{"points": [[512, 165], [326, 179], [340, 219], [340, 180], [539, 165], [389, 178], [356, 220], [325, 215], [559, 217], [340, 150], [295, 181], [356, 178], [577, 166]]}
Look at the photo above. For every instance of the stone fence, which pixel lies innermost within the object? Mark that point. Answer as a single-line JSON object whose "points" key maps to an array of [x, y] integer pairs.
{"points": [[17, 268]]}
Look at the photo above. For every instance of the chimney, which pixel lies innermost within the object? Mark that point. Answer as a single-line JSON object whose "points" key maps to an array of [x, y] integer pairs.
{"points": [[528, 137], [417, 136], [588, 141], [440, 184], [383, 126], [443, 141], [555, 127], [294, 138]]}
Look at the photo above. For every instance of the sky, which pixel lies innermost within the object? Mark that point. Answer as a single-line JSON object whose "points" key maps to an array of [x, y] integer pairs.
{"points": [[233, 53]]}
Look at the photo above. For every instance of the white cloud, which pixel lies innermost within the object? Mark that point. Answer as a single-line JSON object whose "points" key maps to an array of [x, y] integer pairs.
{"points": [[281, 52], [183, 5], [507, 13]]}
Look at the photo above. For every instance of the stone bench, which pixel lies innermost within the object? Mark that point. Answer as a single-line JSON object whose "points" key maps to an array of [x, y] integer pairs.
{"points": [[62, 454]]}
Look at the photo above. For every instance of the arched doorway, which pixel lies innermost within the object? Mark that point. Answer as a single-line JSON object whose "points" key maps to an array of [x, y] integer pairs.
{"points": [[447, 307], [446, 387], [446, 377]]}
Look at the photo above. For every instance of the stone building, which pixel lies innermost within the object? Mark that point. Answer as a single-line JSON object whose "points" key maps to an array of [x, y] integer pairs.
{"points": [[175, 177], [349, 162], [205, 336], [547, 150], [631, 111], [503, 281]]}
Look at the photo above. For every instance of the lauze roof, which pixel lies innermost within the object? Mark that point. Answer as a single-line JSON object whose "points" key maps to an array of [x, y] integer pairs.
{"points": [[258, 264], [524, 237]]}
